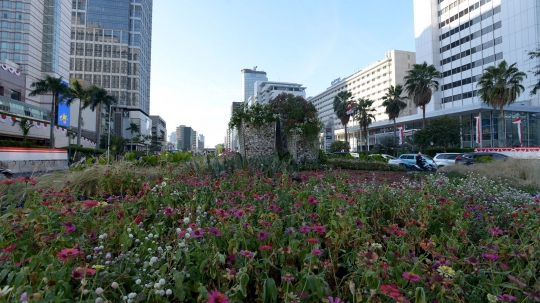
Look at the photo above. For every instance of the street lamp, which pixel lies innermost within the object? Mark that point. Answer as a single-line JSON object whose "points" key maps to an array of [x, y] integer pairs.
{"points": [[109, 134]]}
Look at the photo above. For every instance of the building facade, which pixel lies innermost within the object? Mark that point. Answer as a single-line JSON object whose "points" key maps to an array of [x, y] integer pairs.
{"points": [[264, 91], [201, 144], [461, 38], [231, 136], [111, 48], [159, 132], [186, 138], [249, 77], [371, 82]]}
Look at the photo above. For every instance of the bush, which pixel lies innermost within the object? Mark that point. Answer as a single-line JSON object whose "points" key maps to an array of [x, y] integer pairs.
{"points": [[357, 164], [338, 146], [12, 143]]}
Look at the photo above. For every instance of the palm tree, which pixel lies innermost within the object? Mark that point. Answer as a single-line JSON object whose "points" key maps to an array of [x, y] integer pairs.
{"points": [[60, 93], [84, 95], [133, 128], [364, 115], [535, 54], [420, 84], [99, 99], [394, 104], [342, 102], [500, 86], [24, 126]]}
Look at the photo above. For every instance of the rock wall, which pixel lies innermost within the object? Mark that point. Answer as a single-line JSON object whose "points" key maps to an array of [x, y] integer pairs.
{"points": [[257, 141], [300, 149]]}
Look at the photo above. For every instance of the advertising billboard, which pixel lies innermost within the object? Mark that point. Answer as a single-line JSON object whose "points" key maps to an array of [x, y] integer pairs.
{"points": [[63, 110]]}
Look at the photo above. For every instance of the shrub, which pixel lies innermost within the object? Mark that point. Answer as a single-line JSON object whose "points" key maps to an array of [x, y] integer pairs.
{"points": [[338, 146], [357, 164], [484, 159]]}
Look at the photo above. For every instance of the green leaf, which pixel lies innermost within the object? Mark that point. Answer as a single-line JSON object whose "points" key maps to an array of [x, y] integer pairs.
{"points": [[420, 295], [244, 279], [270, 290]]}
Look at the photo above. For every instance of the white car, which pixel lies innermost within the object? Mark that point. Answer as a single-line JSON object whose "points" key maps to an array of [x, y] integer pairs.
{"points": [[391, 159], [445, 159]]}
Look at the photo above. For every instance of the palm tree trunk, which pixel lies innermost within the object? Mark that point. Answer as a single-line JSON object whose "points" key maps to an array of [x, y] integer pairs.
{"points": [[423, 116], [394, 141], [367, 139], [79, 124], [346, 138], [503, 122], [98, 127], [53, 113]]}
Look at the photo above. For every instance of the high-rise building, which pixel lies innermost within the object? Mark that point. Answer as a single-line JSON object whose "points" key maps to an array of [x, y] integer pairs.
{"points": [[201, 143], [463, 37], [111, 47], [249, 77], [34, 41], [231, 138], [172, 138], [186, 138], [371, 82], [159, 131], [268, 90]]}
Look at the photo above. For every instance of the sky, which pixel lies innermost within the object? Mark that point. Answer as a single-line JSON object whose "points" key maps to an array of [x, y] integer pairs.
{"points": [[199, 48]]}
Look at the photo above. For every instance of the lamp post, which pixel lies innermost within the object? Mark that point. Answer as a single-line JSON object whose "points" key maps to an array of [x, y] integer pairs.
{"points": [[109, 134]]}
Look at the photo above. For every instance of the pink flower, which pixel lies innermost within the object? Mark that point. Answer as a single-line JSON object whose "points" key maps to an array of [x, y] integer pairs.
{"points": [[287, 277], [305, 229], [262, 235], [197, 233], [70, 227], [411, 276], [89, 203], [80, 272], [312, 240], [67, 254], [168, 211], [247, 253], [265, 247], [7, 182], [216, 297], [491, 257], [335, 300], [495, 231], [319, 229], [317, 252], [312, 200], [506, 298]]}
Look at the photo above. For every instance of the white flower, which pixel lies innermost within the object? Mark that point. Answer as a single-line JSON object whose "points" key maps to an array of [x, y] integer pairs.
{"points": [[114, 285], [178, 230], [168, 292], [131, 235], [162, 281], [187, 235], [162, 292], [153, 259], [99, 291], [150, 235], [138, 281], [186, 220], [129, 230], [99, 300], [376, 245], [85, 292], [189, 230], [182, 244], [132, 295], [157, 286]]}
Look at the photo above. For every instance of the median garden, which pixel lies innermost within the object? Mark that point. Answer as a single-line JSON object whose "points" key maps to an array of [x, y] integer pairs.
{"points": [[250, 233]]}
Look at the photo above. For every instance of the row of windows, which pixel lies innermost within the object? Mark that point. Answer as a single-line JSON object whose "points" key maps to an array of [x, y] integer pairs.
{"points": [[477, 63], [15, 25], [14, 36], [461, 82], [477, 34], [105, 66], [17, 58], [12, 46], [465, 25], [104, 50], [15, 5], [472, 50], [451, 6], [460, 96], [463, 13], [106, 81], [14, 15]]}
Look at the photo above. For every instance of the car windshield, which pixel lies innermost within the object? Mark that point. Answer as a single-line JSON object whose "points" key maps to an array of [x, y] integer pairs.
{"points": [[389, 157]]}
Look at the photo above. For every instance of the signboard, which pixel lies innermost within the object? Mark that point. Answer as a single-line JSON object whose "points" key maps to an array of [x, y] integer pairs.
{"points": [[329, 133], [63, 110], [336, 81]]}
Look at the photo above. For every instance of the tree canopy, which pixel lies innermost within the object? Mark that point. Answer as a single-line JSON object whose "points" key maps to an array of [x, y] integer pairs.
{"points": [[444, 132]]}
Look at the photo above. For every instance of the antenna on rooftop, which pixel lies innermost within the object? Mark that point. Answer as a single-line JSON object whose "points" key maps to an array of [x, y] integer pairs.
{"points": [[254, 68]]}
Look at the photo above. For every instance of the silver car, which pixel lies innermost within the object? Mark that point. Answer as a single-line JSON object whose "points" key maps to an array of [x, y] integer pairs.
{"points": [[445, 159]]}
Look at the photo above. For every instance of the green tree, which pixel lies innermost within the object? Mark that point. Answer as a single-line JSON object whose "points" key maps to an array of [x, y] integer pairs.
{"points": [[364, 115], [393, 103], [219, 148], [500, 86], [117, 145], [342, 102], [84, 95], [24, 125], [420, 84], [60, 93], [99, 99], [133, 128], [338, 146], [536, 70], [444, 133]]}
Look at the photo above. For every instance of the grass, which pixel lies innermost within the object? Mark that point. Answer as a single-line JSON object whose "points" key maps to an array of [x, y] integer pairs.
{"points": [[518, 173]]}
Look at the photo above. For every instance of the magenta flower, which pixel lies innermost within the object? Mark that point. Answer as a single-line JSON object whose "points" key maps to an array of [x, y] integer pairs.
{"points": [[506, 298], [491, 257], [168, 211], [216, 297], [305, 229], [287, 277], [335, 300], [265, 247], [247, 253], [317, 252], [70, 227], [319, 229], [495, 231], [411, 276], [290, 230], [312, 200], [197, 233], [262, 235]]}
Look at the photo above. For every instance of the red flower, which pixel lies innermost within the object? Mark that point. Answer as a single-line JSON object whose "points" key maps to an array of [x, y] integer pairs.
{"points": [[9, 248], [67, 254], [90, 203], [411, 276]]}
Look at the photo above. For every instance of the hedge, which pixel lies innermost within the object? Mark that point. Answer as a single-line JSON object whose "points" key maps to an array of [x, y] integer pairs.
{"points": [[356, 164]]}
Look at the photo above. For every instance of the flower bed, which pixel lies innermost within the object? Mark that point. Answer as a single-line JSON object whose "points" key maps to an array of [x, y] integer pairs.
{"points": [[249, 238]]}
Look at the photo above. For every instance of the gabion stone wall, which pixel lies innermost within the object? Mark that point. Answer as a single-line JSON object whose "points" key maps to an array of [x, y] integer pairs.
{"points": [[257, 141], [301, 149]]}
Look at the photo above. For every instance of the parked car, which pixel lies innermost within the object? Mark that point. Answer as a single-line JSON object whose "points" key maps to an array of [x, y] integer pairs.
{"points": [[5, 173], [445, 159], [470, 158], [410, 159], [391, 159]]}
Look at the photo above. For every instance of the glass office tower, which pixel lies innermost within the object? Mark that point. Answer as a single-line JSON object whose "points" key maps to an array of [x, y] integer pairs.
{"points": [[111, 48]]}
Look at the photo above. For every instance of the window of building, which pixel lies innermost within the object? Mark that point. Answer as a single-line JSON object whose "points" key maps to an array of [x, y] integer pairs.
{"points": [[15, 95]]}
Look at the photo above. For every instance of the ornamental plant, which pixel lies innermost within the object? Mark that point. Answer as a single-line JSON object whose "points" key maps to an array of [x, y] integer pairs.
{"points": [[179, 236], [256, 115]]}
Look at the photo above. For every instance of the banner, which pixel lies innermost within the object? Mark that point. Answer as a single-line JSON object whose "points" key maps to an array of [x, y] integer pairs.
{"points": [[478, 132], [63, 114], [518, 122], [400, 130], [350, 109]]}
